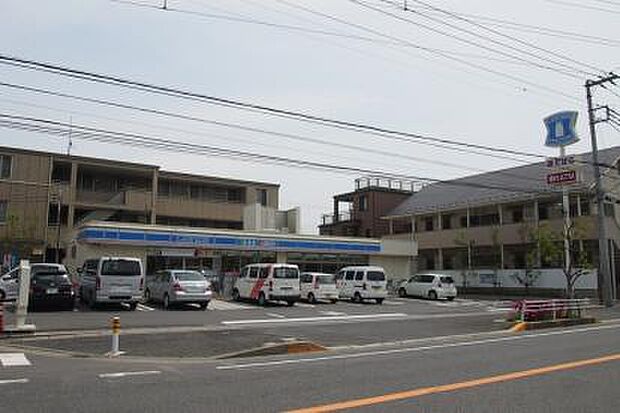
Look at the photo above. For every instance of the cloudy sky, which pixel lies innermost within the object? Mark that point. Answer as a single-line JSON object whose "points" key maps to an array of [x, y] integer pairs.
{"points": [[368, 61]]}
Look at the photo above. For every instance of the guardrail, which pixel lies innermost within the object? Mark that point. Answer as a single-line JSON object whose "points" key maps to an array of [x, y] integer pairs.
{"points": [[553, 309]]}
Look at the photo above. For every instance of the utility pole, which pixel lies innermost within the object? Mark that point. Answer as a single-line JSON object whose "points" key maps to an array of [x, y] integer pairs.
{"points": [[58, 212], [604, 271]]}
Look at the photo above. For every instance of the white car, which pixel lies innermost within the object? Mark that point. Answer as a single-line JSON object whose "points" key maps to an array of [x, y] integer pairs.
{"points": [[316, 286], [431, 286], [268, 282], [106, 280], [9, 285], [362, 283]]}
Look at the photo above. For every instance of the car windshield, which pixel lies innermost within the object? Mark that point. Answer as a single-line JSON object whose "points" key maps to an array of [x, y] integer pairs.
{"points": [[48, 269], [375, 276], [189, 276], [325, 279], [447, 280], [285, 272], [120, 267]]}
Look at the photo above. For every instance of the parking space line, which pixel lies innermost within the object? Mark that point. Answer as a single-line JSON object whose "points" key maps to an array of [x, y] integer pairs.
{"points": [[14, 381], [128, 374], [142, 307], [14, 360], [275, 315], [312, 319]]}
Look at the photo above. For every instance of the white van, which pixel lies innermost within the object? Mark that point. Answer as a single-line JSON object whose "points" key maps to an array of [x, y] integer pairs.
{"points": [[268, 282], [362, 283], [112, 280], [317, 286]]}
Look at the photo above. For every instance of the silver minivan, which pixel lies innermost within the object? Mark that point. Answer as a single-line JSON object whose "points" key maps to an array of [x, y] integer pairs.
{"points": [[112, 280], [172, 287]]}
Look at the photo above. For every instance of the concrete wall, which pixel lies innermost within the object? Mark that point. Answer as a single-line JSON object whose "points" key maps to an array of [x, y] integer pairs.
{"points": [[396, 268], [548, 279]]}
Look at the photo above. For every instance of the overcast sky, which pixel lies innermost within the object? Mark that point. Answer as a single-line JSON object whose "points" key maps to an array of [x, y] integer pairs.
{"points": [[384, 79]]}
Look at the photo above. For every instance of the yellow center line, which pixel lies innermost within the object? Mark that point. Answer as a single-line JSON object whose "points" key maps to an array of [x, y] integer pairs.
{"points": [[390, 397]]}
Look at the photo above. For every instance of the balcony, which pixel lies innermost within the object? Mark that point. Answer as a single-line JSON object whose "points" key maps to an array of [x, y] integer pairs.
{"points": [[134, 200], [330, 219]]}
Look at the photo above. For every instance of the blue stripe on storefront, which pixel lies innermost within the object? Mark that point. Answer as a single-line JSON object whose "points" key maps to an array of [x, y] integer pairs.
{"points": [[175, 239]]}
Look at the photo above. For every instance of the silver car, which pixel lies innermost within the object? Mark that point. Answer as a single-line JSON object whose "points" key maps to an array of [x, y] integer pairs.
{"points": [[173, 287], [9, 285]]}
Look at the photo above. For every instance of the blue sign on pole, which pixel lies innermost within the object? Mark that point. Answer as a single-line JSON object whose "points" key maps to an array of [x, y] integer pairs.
{"points": [[561, 129]]}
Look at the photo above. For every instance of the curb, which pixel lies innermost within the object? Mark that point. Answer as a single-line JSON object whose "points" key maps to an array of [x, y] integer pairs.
{"points": [[538, 325], [296, 347]]}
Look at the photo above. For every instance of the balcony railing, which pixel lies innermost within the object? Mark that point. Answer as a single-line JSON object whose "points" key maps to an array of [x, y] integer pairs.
{"points": [[328, 219]]}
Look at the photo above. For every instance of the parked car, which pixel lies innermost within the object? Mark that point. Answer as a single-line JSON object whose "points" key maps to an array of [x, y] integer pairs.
{"points": [[362, 283], [431, 286], [268, 282], [213, 278], [51, 286], [112, 280], [174, 287], [9, 285], [316, 286]]}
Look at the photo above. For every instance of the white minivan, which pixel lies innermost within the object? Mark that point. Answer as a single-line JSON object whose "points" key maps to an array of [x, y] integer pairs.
{"points": [[316, 286], [112, 280], [268, 282], [362, 283]]}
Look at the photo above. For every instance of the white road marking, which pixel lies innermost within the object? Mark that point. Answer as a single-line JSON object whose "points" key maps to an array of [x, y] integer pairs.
{"points": [[275, 315], [142, 307], [411, 349], [14, 359], [311, 319], [225, 305], [393, 302], [304, 305], [14, 381], [332, 313], [128, 374]]}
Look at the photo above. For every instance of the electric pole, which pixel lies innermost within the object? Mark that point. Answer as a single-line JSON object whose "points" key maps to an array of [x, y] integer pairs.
{"points": [[604, 271]]}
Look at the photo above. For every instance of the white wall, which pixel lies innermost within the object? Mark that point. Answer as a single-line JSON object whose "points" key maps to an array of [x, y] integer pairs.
{"points": [[396, 268], [549, 278]]}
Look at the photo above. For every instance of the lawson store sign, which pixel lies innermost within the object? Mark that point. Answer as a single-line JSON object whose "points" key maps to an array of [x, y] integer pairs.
{"points": [[218, 241]]}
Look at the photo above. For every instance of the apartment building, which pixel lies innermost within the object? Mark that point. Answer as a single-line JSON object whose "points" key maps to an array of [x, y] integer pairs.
{"points": [[359, 213], [485, 221], [45, 196]]}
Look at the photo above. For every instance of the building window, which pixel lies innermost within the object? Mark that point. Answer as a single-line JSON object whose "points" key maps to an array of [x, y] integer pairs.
{"points": [[261, 196], [363, 203], [517, 215], [428, 223], [484, 220], [3, 209], [446, 222], [543, 212], [5, 166]]}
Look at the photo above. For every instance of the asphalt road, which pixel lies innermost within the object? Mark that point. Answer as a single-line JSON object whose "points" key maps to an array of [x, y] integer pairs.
{"points": [[560, 370]]}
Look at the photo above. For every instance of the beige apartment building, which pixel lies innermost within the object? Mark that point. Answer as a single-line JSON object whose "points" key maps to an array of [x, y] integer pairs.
{"points": [[45, 196], [481, 224]]}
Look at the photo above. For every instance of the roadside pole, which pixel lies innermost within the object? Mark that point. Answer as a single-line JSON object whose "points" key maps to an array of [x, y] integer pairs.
{"points": [[604, 271], [22, 298], [567, 223]]}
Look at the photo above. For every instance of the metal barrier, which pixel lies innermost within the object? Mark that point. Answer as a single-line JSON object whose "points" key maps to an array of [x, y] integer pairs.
{"points": [[553, 309]]}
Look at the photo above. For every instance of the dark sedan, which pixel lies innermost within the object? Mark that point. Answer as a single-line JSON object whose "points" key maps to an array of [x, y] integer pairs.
{"points": [[51, 286]]}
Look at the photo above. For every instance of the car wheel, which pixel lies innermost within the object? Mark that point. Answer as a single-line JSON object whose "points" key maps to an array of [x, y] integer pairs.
{"points": [[262, 300], [379, 301], [334, 301], [166, 302], [203, 306], [290, 303], [133, 306], [402, 292], [235, 295], [432, 295], [311, 298], [2, 295], [450, 298], [357, 298], [147, 295]]}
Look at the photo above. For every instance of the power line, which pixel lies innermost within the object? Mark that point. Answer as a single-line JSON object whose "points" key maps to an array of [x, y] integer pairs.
{"points": [[453, 58], [476, 44], [284, 113], [512, 38], [583, 6], [39, 125]]}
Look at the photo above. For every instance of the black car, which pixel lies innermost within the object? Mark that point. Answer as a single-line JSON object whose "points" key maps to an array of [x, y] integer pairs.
{"points": [[51, 286]]}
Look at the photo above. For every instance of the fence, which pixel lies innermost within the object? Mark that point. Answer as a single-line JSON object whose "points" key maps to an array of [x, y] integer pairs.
{"points": [[542, 310]]}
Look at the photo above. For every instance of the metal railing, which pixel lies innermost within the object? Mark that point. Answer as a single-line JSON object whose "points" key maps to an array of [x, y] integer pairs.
{"points": [[553, 309]]}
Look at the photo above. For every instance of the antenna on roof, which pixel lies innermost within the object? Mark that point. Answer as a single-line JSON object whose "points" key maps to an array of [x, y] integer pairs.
{"points": [[70, 143]]}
